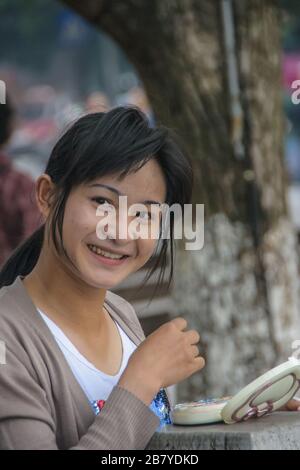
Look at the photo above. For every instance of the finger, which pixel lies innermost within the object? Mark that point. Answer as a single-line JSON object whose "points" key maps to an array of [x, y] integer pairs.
{"points": [[193, 336], [180, 322], [198, 363], [194, 351], [293, 405]]}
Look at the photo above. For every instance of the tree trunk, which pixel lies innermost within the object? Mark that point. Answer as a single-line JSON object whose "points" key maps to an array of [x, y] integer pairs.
{"points": [[241, 291]]}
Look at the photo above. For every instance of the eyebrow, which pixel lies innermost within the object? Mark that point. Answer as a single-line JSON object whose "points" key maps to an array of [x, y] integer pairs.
{"points": [[114, 190]]}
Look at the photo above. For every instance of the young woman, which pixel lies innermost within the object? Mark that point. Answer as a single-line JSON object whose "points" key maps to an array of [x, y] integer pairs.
{"points": [[78, 371]]}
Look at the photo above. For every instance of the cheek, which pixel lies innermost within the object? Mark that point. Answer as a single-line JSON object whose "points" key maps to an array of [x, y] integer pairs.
{"points": [[78, 224], [146, 249]]}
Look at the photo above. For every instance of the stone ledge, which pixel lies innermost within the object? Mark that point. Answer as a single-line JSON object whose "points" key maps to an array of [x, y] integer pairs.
{"points": [[277, 431]]}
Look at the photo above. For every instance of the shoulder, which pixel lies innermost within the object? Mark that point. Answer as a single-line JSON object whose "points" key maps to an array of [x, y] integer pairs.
{"points": [[12, 321], [17, 316], [16, 334], [6, 303]]}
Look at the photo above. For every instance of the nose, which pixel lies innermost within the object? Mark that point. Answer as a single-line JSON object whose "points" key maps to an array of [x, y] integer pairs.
{"points": [[124, 233], [117, 228]]}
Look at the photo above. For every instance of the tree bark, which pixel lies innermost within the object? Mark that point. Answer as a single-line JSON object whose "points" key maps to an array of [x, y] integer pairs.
{"points": [[241, 291]]}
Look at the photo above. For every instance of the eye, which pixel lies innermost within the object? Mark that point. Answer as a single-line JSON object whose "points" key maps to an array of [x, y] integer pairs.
{"points": [[101, 200], [143, 215]]}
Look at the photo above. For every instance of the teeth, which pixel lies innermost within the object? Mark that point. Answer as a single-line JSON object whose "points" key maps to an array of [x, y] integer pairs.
{"points": [[107, 254]]}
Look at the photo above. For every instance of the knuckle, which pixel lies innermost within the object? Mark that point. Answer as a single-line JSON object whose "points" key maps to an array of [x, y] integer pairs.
{"points": [[171, 326], [189, 353], [196, 336], [201, 362], [182, 321]]}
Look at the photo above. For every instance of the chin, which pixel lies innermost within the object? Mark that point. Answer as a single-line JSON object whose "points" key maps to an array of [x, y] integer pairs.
{"points": [[101, 282]]}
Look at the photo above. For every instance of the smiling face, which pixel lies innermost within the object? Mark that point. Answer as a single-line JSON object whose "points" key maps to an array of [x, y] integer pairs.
{"points": [[81, 219]]}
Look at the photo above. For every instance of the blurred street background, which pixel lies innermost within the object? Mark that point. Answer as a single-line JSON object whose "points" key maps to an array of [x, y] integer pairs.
{"points": [[47, 61]]}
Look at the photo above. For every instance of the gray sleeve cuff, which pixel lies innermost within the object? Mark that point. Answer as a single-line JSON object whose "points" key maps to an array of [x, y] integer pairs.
{"points": [[125, 422]]}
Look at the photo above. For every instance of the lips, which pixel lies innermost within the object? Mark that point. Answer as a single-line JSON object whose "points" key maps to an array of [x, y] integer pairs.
{"points": [[107, 261], [106, 253]]}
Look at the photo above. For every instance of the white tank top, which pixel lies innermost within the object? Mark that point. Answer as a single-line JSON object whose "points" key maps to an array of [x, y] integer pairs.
{"points": [[96, 384]]}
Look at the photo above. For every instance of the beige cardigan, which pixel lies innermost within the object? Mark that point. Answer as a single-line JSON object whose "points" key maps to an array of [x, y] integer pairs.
{"points": [[42, 406]]}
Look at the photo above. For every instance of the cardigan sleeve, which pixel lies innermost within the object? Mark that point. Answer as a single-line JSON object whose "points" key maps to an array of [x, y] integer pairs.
{"points": [[26, 422], [125, 422]]}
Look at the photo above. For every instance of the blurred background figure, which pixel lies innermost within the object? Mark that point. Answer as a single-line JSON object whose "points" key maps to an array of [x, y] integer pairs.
{"points": [[97, 102], [19, 215], [137, 96]]}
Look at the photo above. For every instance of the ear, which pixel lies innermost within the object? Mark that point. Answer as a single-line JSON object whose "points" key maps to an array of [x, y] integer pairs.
{"points": [[44, 191]]}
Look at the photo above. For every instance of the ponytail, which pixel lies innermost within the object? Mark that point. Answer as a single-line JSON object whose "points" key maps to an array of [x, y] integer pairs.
{"points": [[23, 258]]}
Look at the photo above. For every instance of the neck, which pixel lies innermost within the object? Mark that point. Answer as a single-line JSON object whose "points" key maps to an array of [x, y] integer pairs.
{"points": [[65, 298]]}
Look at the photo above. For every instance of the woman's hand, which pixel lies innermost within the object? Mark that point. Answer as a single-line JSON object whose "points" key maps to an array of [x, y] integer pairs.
{"points": [[167, 356], [292, 405]]}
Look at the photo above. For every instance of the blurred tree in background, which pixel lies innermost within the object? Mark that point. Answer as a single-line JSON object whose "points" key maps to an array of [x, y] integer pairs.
{"points": [[216, 80]]}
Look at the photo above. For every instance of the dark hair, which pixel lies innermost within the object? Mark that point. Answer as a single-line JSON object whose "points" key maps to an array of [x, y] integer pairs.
{"points": [[118, 141], [6, 117]]}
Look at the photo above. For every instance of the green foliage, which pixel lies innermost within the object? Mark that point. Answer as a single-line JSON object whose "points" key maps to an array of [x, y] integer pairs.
{"points": [[28, 30]]}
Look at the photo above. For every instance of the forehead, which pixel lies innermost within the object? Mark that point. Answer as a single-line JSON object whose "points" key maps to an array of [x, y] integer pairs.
{"points": [[146, 183]]}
